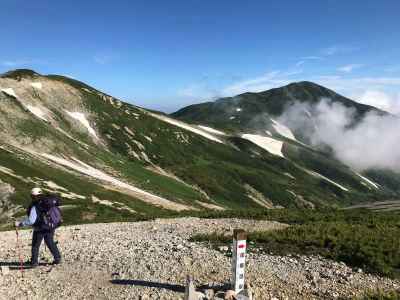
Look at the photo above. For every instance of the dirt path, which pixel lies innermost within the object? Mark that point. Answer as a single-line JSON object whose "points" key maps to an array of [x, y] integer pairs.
{"points": [[150, 260]]}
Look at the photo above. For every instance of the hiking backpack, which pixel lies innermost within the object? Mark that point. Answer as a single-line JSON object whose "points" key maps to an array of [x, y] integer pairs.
{"points": [[50, 213]]}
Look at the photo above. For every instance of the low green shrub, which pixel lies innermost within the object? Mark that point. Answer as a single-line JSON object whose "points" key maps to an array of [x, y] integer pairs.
{"points": [[361, 239]]}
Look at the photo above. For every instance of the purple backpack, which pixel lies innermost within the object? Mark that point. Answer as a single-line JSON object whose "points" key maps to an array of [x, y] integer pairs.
{"points": [[50, 212]]}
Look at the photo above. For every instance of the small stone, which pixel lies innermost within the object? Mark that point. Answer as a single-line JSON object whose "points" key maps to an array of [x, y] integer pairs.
{"points": [[349, 277], [230, 295], [200, 296], [5, 270], [209, 294], [223, 248]]}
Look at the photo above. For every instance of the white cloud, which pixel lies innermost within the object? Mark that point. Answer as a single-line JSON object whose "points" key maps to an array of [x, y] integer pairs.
{"points": [[349, 86], [350, 68], [21, 62], [383, 100], [298, 64], [103, 58], [358, 83], [12, 63], [257, 84], [199, 91], [382, 92], [206, 90], [369, 144], [329, 51], [373, 91], [292, 72], [338, 49], [312, 58]]}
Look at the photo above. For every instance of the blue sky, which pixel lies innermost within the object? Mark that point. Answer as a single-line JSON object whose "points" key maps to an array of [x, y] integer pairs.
{"points": [[168, 54]]}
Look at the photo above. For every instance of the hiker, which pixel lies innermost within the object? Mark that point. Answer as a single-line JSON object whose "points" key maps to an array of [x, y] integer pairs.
{"points": [[45, 216]]}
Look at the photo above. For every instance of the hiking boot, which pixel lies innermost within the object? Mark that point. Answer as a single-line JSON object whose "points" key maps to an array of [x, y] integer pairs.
{"points": [[31, 265], [56, 262]]}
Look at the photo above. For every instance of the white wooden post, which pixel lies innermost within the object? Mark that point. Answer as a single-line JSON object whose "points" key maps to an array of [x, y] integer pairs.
{"points": [[190, 291], [238, 260]]}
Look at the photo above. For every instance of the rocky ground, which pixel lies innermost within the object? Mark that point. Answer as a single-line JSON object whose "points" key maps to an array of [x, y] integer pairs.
{"points": [[150, 260]]}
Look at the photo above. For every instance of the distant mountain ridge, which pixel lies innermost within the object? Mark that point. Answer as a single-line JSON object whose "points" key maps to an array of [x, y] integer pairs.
{"points": [[273, 102]]}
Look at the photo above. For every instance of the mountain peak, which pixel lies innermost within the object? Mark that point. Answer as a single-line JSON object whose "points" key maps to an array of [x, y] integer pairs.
{"points": [[19, 73], [272, 102]]}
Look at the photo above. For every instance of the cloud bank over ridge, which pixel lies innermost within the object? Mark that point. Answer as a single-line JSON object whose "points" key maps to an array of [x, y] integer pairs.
{"points": [[370, 143]]}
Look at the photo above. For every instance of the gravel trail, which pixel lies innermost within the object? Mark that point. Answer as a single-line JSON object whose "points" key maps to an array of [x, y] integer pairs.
{"points": [[150, 260]]}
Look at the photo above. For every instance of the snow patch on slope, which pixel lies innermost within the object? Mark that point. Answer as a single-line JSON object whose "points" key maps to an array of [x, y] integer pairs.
{"points": [[210, 205], [37, 112], [258, 197], [64, 192], [122, 206], [283, 130], [33, 109], [212, 130], [10, 172], [82, 119], [315, 174], [375, 185], [36, 85], [9, 92], [187, 127], [71, 195], [72, 138], [55, 186], [148, 138], [88, 170], [271, 145], [129, 131]]}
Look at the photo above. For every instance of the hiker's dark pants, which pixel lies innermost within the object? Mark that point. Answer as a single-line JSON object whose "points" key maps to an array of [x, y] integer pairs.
{"points": [[48, 237]]}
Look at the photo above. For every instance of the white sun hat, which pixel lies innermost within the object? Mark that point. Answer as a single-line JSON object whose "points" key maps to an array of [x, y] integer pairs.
{"points": [[36, 191]]}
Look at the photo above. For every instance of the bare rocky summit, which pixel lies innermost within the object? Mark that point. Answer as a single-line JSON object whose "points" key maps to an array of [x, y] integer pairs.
{"points": [[150, 260]]}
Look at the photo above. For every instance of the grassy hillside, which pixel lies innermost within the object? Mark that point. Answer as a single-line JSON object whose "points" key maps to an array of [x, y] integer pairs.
{"points": [[146, 150]]}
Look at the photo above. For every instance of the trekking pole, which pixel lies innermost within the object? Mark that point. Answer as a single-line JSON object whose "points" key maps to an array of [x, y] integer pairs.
{"points": [[21, 263]]}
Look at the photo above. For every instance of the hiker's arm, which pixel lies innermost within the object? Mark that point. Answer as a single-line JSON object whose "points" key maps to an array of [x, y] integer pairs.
{"points": [[30, 220]]}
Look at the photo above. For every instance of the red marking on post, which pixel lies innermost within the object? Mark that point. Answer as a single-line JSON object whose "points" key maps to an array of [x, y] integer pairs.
{"points": [[241, 246]]}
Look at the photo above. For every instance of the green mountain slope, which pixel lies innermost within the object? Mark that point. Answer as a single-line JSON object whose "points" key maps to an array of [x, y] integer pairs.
{"points": [[111, 160], [256, 113]]}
